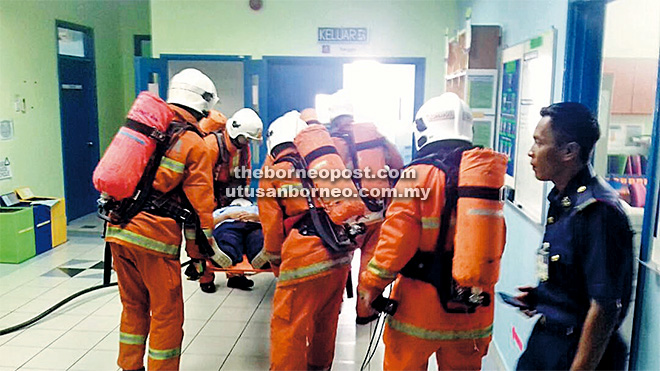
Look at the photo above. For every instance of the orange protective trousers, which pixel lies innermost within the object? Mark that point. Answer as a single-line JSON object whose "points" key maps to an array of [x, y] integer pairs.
{"points": [[405, 352], [367, 243], [304, 322], [152, 300]]}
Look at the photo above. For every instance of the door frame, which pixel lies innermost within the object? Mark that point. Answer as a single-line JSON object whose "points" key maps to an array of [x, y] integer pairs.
{"points": [[582, 75], [91, 56]]}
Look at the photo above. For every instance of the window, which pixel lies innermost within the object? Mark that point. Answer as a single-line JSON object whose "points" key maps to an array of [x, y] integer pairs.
{"points": [[70, 42]]}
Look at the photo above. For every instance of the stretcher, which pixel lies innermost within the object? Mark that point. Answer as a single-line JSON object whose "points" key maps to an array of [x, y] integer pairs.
{"points": [[243, 267], [247, 269]]}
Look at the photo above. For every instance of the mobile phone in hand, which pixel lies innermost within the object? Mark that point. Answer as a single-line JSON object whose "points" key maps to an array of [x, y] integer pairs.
{"points": [[512, 300]]}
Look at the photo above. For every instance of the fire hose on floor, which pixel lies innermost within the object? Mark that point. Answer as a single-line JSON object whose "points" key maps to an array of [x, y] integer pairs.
{"points": [[107, 268]]}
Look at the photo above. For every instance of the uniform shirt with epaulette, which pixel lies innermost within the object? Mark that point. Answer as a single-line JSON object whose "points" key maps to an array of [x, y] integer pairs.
{"points": [[590, 252]]}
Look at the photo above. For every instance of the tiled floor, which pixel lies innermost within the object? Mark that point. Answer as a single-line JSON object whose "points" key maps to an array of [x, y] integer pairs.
{"points": [[228, 330]]}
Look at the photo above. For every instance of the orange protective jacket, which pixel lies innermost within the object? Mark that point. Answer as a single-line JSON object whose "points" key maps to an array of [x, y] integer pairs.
{"points": [[412, 224], [185, 163], [215, 121], [295, 258]]}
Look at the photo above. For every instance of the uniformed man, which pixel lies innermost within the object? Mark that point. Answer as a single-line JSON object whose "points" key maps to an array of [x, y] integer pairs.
{"points": [[585, 261]]}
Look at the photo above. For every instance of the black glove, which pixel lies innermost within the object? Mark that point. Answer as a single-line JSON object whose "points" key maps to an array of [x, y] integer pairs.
{"points": [[195, 269]]}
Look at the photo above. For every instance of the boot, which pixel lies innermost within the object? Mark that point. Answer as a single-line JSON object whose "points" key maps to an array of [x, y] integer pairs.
{"points": [[240, 282]]}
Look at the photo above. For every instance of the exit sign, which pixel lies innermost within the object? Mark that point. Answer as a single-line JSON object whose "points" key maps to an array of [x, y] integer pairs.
{"points": [[347, 35]]}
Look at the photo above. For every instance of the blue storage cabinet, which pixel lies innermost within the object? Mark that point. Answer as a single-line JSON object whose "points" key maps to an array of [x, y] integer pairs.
{"points": [[42, 228]]}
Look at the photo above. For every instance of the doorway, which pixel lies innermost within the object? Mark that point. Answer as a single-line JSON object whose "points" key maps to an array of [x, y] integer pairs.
{"points": [[79, 116], [386, 91]]}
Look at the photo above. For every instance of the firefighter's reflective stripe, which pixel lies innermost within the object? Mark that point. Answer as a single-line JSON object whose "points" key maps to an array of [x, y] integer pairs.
{"points": [[260, 260], [161, 355], [170, 164], [274, 258], [430, 222], [189, 233], [142, 241], [426, 334], [207, 232], [486, 212], [310, 270], [132, 339], [380, 271]]}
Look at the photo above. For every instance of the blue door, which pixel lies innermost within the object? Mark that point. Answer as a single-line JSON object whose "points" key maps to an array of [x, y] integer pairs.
{"points": [[80, 136], [292, 83]]}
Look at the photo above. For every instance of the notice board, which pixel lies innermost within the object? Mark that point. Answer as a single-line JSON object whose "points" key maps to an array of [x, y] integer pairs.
{"points": [[535, 59], [509, 103], [536, 93]]}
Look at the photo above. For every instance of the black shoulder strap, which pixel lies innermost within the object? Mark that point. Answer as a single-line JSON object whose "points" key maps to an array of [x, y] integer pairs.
{"points": [[449, 163], [222, 149], [147, 130], [298, 163]]}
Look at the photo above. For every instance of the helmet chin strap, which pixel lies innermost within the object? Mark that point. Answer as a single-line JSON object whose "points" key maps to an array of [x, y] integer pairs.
{"points": [[196, 114], [237, 144]]}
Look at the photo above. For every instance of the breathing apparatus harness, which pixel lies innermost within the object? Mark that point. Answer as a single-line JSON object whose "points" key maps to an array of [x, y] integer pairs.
{"points": [[336, 238], [173, 204], [224, 158], [435, 267], [347, 135]]}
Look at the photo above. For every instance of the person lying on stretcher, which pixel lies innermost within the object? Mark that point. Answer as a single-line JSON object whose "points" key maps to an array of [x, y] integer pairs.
{"points": [[238, 232]]}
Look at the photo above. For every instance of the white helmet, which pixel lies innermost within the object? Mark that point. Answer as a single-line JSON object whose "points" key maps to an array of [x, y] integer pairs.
{"points": [[441, 118], [340, 104], [193, 89], [241, 202], [245, 122], [284, 129]]}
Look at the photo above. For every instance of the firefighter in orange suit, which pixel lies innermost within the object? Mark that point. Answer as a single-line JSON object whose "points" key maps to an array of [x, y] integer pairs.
{"points": [[421, 326], [311, 281], [342, 124], [229, 149], [146, 250]]}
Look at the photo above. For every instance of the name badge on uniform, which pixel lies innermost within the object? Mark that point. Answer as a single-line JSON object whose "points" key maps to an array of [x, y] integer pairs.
{"points": [[542, 262]]}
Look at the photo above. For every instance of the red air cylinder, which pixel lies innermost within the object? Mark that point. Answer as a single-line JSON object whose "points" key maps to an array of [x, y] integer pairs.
{"points": [[480, 228], [315, 139], [122, 164]]}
